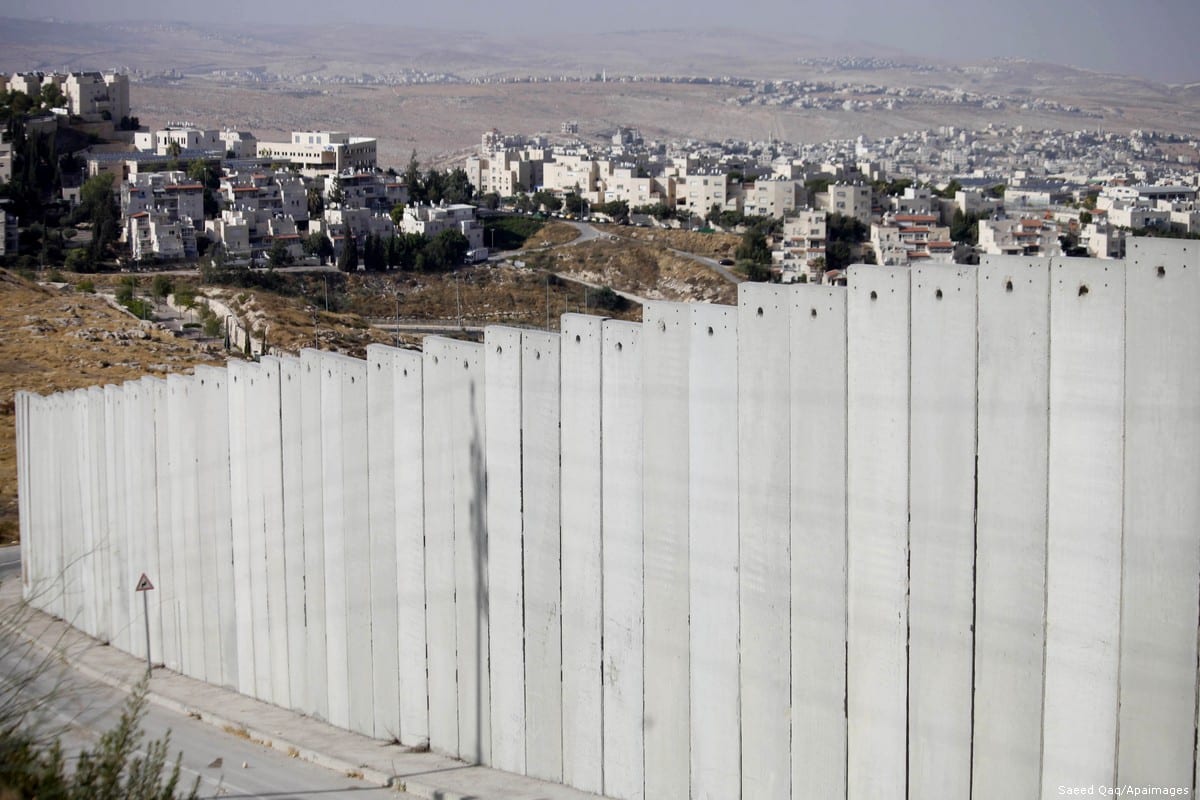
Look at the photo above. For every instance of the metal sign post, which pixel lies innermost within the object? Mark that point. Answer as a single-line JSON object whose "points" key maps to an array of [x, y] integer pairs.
{"points": [[144, 586]]}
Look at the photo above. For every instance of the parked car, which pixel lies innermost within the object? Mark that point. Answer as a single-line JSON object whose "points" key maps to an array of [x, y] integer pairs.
{"points": [[726, 262]]}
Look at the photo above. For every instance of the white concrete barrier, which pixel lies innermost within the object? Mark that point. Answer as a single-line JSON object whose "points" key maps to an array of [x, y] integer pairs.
{"points": [[1013, 395], [941, 504], [713, 549], [621, 535], [877, 452], [818, 540], [932, 535], [506, 629], [582, 613], [665, 525], [1083, 551]]}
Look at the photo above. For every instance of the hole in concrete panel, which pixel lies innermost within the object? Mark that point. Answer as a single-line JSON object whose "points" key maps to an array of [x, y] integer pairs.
{"points": [[466, 365], [435, 359], [499, 349], [662, 327], [874, 295], [406, 373], [938, 294], [620, 347], [537, 355], [378, 366], [1161, 272], [812, 313], [760, 311], [710, 330], [1083, 290], [1008, 286], [352, 379]]}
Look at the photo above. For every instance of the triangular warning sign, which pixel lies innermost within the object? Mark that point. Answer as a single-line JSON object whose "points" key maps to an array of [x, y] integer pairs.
{"points": [[144, 584]]}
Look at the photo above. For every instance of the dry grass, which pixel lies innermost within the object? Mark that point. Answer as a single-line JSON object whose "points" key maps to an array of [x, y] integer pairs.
{"points": [[53, 340], [713, 245]]}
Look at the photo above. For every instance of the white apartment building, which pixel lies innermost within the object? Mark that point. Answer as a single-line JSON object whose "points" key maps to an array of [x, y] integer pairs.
{"points": [[429, 221], [28, 82], [371, 189], [152, 235], [699, 191], [361, 222], [1103, 240], [770, 197], [623, 182], [279, 193], [243, 144], [914, 200], [503, 172], [911, 238], [802, 244], [847, 199], [92, 95], [172, 194], [570, 172], [974, 201], [322, 151], [1135, 215], [232, 231], [1028, 236], [189, 140]]}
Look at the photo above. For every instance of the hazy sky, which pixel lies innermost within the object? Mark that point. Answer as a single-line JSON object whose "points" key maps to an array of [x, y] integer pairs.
{"points": [[1152, 38]]}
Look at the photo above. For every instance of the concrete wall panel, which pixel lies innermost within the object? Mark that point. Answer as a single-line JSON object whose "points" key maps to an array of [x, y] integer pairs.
{"points": [[1161, 559], [357, 552], [168, 578], [117, 545], [238, 383], [1083, 557], [665, 518], [1013, 397], [291, 425], [540, 473], [621, 475], [713, 549], [261, 463], [213, 513], [818, 540], [316, 700], [470, 552], [268, 411], [941, 530], [582, 617], [141, 497], [333, 449], [381, 472], [441, 632], [877, 451], [506, 626], [98, 445], [182, 438], [764, 495], [410, 546]]}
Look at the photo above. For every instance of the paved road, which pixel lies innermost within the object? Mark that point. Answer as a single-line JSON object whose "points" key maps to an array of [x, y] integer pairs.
{"points": [[10, 562], [78, 710]]}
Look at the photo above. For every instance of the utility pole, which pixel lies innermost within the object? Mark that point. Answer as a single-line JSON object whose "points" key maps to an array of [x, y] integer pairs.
{"points": [[458, 302]]}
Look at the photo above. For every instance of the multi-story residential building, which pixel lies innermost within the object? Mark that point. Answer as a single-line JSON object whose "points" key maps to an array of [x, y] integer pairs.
{"points": [[975, 201], [172, 194], [1135, 215], [360, 222], [502, 172], [28, 82], [770, 197], [570, 172], [847, 199], [802, 247], [242, 144], [914, 200], [626, 182], [186, 138], [232, 231], [699, 190], [429, 221], [1102, 239], [152, 235], [5, 161], [1019, 236], [96, 95], [910, 238], [279, 193], [372, 189], [322, 151]]}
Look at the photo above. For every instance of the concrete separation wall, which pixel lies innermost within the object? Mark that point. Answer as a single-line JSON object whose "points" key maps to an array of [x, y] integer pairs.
{"points": [[936, 534]]}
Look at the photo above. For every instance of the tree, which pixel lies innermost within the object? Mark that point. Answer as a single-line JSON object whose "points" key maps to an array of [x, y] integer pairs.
{"points": [[754, 248], [279, 255], [336, 195], [447, 249], [318, 244], [397, 214], [161, 286], [374, 254], [174, 148], [412, 179], [489, 200], [964, 227], [348, 261], [1085, 218]]}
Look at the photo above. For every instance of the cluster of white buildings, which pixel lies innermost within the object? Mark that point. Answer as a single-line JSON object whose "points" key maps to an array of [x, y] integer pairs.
{"points": [[93, 96]]}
